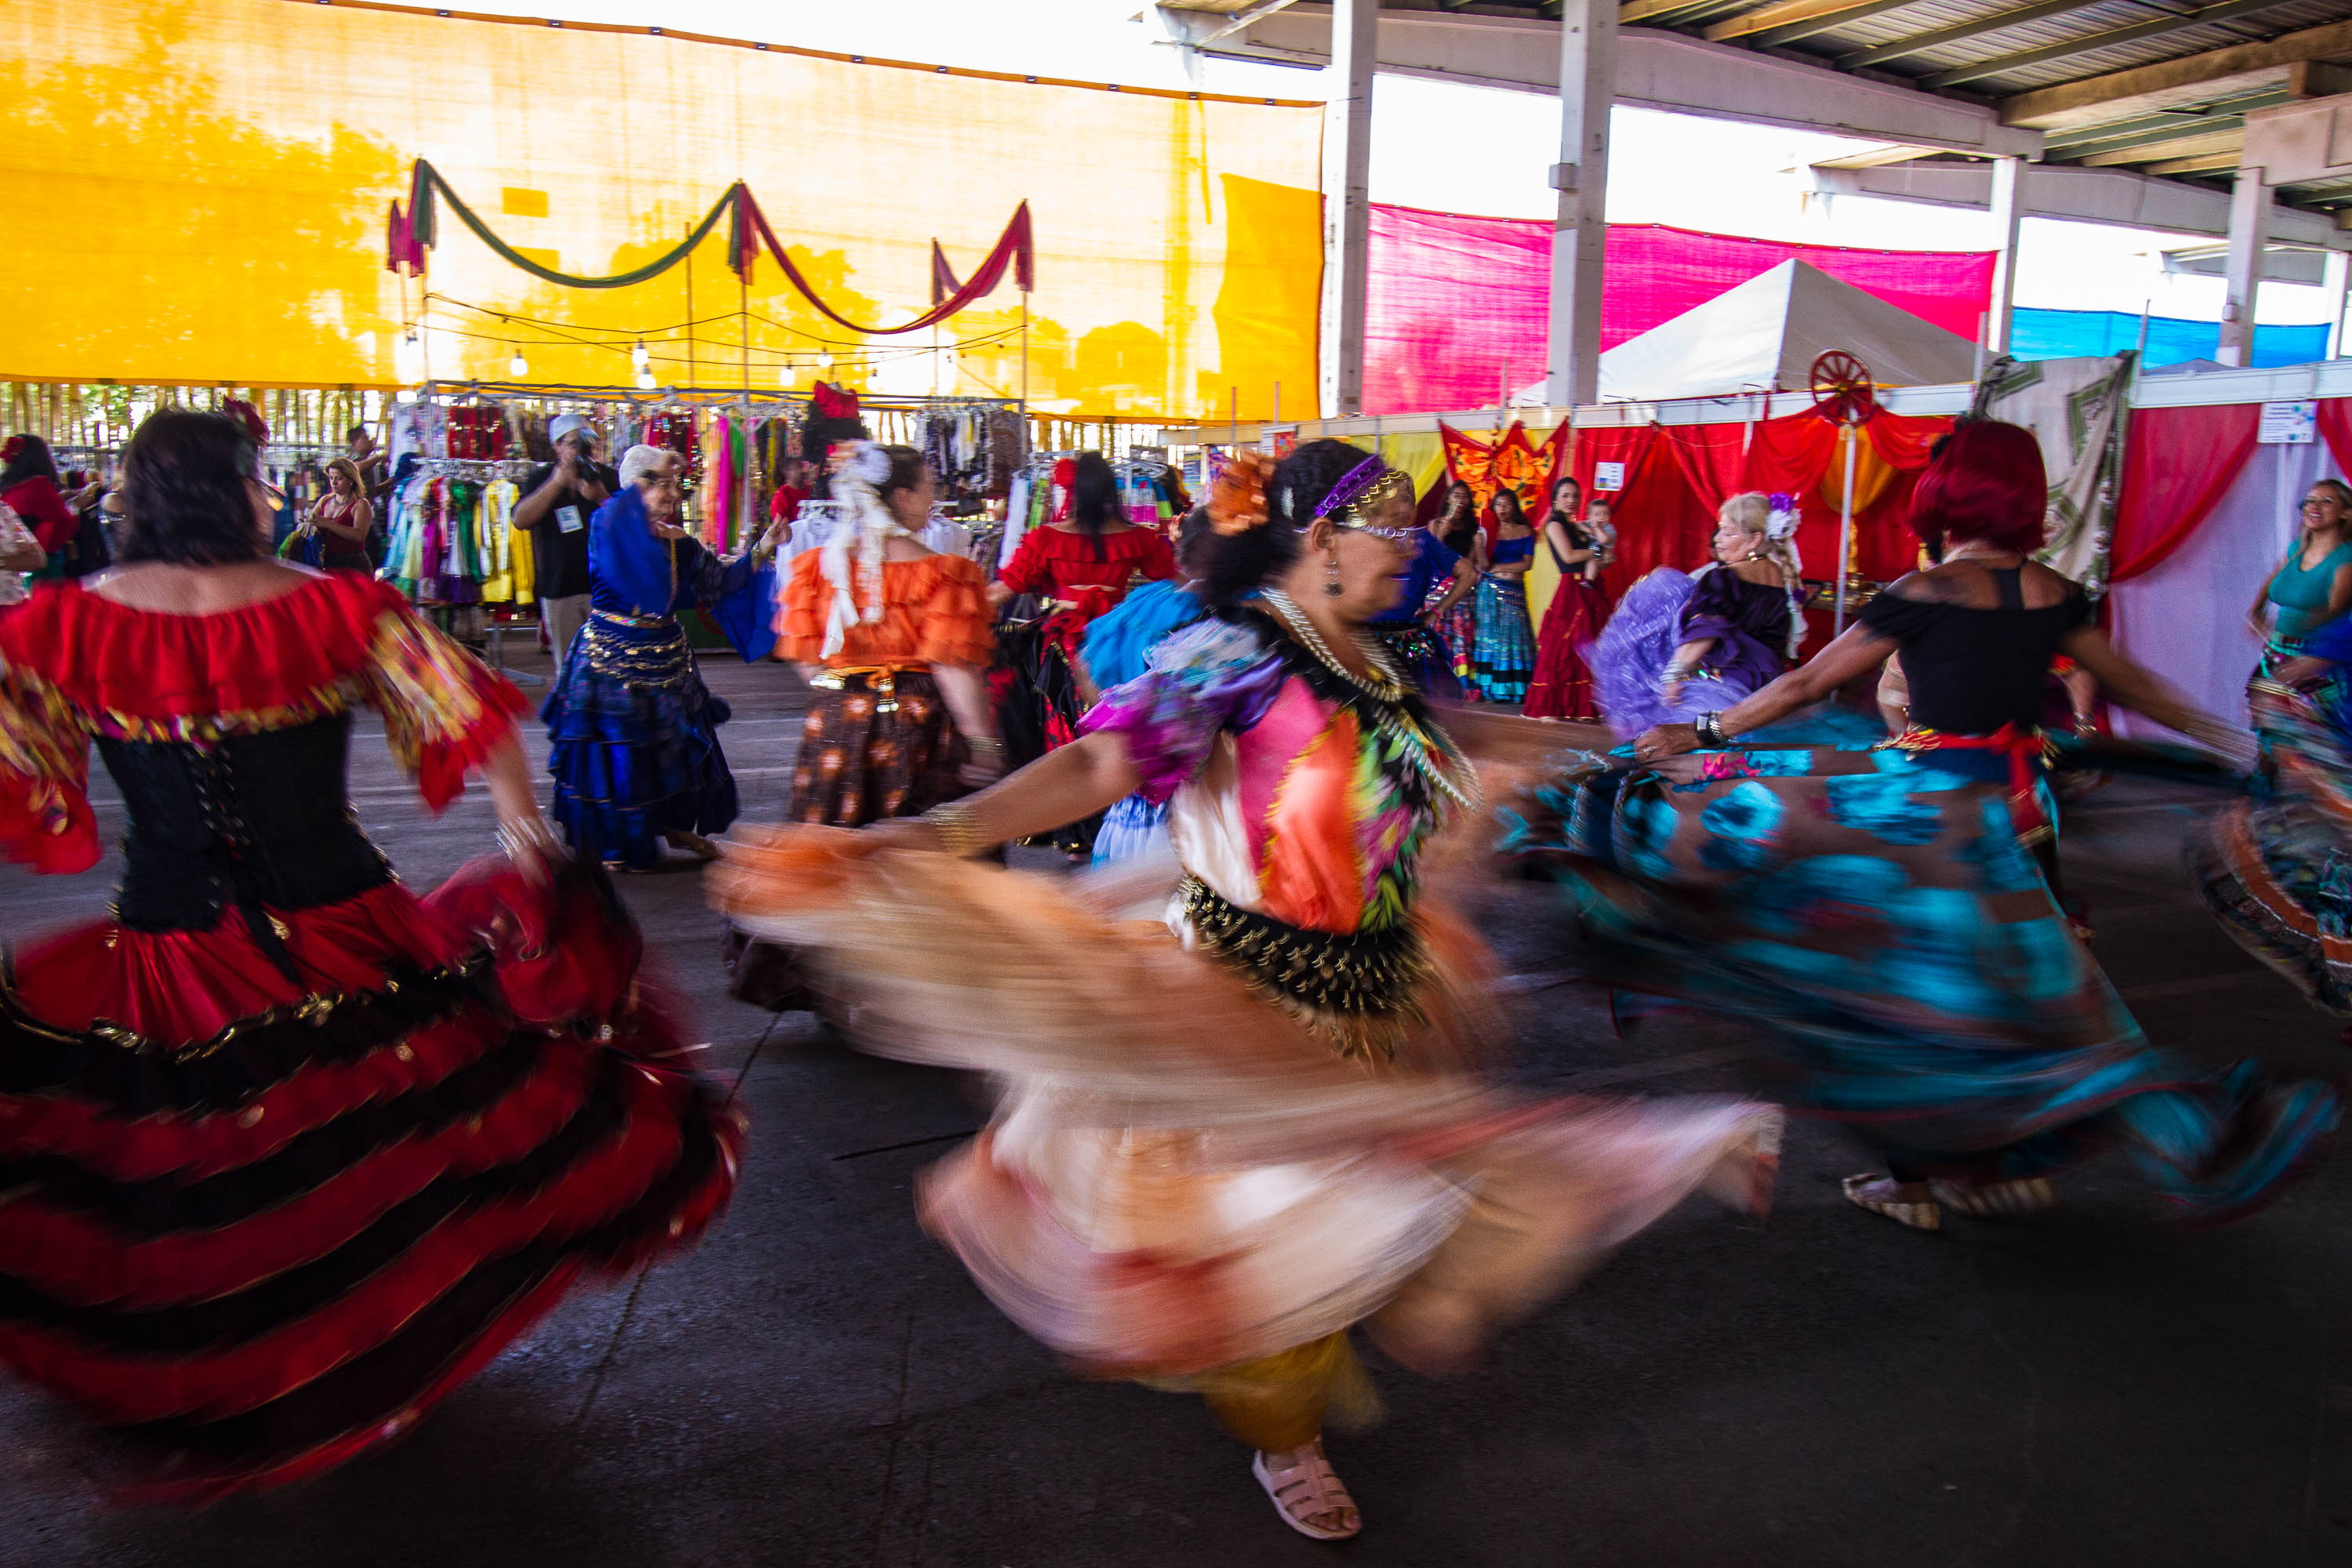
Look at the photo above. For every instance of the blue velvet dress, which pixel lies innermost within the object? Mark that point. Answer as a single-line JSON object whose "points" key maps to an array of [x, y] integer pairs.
{"points": [[634, 733], [1876, 909]]}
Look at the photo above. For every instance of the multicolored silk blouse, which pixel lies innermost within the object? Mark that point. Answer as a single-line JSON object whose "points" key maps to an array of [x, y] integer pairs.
{"points": [[1295, 792]]}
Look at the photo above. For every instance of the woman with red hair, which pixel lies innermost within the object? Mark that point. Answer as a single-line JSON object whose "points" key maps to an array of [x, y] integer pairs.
{"points": [[1879, 907]]}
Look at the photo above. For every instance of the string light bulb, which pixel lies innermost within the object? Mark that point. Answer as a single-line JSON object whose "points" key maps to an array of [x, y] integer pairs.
{"points": [[518, 367], [646, 380], [640, 361], [824, 359]]}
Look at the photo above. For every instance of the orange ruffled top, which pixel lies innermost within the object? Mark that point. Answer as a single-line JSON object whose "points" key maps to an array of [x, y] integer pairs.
{"points": [[934, 611]]}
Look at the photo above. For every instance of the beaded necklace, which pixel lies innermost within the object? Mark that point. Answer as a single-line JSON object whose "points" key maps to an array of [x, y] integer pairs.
{"points": [[1423, 747]]}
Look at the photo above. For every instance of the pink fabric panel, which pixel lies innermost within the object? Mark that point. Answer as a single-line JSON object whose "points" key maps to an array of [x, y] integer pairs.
{"points": [[1458, 305], [1454, 308]]}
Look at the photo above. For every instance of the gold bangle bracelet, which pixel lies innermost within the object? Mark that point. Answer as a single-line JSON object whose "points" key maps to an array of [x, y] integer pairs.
{"points": [[958, 828]]}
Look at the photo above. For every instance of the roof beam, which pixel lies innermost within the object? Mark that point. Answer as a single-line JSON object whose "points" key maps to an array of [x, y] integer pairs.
{"points": [[2204, 16], [2075, 195], [2164, 123], [2204, 163], [2094, 149], [1655, 69], [1788, 21], [1634, 12], [2193, 145], [1976, 28], [2233, 71]]}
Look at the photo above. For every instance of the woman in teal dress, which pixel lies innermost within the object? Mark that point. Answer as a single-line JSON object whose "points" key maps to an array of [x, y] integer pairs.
{"points": [[1507, 640], [2276, 867], [2312, 586], [1878, 908]]}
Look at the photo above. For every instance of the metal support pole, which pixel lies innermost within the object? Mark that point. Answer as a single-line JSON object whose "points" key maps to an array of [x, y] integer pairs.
{"points": [[2007, 212], [1587, 83], [1348, 212], [2249, 222], [1845, 528], [2333, 277]]}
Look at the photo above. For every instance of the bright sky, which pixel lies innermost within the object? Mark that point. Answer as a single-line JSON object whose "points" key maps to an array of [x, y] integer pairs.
{"points": [[1473, 149]]}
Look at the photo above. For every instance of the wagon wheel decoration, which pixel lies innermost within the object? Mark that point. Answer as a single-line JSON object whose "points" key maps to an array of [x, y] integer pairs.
{"points": [[1842, 392]]}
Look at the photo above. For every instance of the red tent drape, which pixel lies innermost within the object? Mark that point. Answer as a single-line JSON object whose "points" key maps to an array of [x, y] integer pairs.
{"points": [[1714, 457], [2335, 429], [1660, 519], [1795, 455], [2177, 464]]}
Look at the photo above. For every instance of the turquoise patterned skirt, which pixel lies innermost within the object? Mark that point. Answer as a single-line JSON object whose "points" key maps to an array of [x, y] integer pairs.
{"points": [[1506, 642], [1876, 912]]}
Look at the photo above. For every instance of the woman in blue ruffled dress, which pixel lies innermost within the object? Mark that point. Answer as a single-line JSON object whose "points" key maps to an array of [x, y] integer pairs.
{"points": [[634, 732], [1506, 638], [1879, 909], [1117, 648]]}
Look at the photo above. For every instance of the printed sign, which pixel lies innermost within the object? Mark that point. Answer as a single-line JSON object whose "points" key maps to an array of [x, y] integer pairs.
{"points": [[1608, 476], [2289, 424]]}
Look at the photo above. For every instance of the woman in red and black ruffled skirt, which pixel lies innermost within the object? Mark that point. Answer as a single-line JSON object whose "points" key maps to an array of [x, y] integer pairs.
{"points": [[287, 1153]]}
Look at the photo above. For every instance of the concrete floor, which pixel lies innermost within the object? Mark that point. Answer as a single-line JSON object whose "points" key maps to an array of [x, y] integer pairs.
{"points": [[820, 1384]]}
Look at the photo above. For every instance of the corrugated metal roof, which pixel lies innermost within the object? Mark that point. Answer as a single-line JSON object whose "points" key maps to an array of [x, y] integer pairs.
{"points": [[2069, 37]]}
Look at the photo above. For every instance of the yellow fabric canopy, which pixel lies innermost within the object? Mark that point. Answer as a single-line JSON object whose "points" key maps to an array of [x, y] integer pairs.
{"points": [[199, 191]]}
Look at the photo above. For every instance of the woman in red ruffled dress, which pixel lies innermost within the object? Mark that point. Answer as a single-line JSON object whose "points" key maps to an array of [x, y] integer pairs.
{"points": [[288, 1153], [1561, 687], [1079, 565]]}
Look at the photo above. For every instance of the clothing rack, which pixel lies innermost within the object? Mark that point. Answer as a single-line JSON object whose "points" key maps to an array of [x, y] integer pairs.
{"points": [[484, 468]]}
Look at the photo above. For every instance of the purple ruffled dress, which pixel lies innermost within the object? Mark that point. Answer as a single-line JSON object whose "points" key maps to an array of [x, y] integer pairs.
{"points": [[1749, 621]]}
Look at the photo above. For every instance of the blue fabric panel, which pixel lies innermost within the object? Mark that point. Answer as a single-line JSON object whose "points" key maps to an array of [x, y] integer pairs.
{"points": [[2069, 334]]}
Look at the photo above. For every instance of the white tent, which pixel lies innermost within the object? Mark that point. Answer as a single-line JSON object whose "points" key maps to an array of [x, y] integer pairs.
{"points": [[1765, 335]]}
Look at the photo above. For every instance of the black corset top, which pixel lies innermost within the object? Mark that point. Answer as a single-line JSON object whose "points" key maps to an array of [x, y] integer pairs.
{"points": [[254, 822]]}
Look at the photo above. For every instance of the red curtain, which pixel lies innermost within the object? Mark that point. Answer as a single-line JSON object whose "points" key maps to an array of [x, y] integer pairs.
{"points": [[1660, 519], [2335, 429], [2177, 464], [1796, 455], [1714, 457]]}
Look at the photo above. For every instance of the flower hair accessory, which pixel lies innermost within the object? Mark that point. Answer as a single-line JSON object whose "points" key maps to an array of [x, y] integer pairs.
{"points": [[1237, 500], [860, 469], [14, 449], [1781, 522], [869, 462]]}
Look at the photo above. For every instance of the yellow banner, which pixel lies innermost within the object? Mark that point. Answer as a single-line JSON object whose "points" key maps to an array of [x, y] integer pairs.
{"points": [[199, 191]]}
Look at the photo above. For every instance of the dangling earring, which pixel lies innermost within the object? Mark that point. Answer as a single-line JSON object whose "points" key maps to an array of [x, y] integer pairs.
{"points": [[1331, 589]]}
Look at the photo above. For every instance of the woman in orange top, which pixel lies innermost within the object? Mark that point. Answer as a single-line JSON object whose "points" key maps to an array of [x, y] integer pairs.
{"points": [[896, 639]]}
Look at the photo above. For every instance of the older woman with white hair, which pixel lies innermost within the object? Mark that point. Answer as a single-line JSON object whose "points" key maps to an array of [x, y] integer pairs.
{"points": [[1680, 645], [634, 732]]}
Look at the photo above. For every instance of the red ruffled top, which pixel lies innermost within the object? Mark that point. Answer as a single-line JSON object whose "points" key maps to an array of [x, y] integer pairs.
{"points": [[933, 612], [43, 507], [74, 665], [1060, 565]]}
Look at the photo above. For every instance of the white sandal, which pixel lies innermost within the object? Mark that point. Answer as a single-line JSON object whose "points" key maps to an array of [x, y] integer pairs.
{"points": [[1307, 1491], [1905, 1212], [1998, 1200]]}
